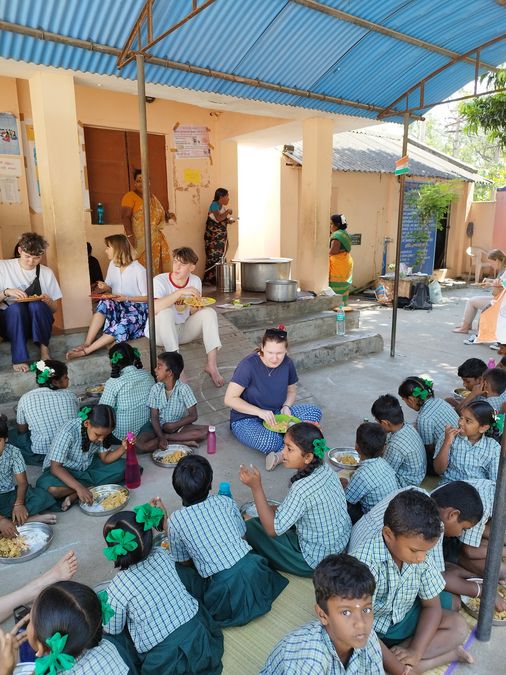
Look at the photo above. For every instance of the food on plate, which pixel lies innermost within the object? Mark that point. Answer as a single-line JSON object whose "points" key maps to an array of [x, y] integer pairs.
{"points": [[349, 459], [98, 389], [114, 500], [192, 301], [13, 548], [279, 427], [173, 457], [474, 604]]}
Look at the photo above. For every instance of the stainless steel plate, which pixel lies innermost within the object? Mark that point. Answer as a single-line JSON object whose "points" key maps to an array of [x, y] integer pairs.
{"points": [[36, 549], [250, 509], [102, 586], [467, 603], [171, 449], [95, 391], [100, 493], [24, 669], [336, 456]]}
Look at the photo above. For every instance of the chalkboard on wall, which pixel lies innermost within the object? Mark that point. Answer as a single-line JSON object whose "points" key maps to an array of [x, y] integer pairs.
{"points": [[410, 223]]}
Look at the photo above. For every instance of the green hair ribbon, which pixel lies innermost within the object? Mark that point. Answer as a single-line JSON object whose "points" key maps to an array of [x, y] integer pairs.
{"points": [[428, 383], [56, 660], [44, 376], [107, 610], [137, 353], [420, 393], [33, 367], [116, 358], [498, 423], [84, 413], [320, 447], [123, 543], [149, 515]]}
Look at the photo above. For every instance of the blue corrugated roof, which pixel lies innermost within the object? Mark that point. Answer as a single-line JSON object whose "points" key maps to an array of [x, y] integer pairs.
{"points": [[278, 41]]}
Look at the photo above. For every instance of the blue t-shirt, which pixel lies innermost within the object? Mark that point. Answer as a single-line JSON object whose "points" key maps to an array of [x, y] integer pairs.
{"points": [[264, 387]]}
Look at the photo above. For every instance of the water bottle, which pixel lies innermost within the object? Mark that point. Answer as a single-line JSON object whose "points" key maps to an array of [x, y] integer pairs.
{"points": [[340, 321], [132, 468], [225, 490], [100, 213], [211, 441], [491, 363]]}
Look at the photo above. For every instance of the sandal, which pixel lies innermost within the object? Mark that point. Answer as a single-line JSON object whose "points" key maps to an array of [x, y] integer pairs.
{"points": [[76, 353], [272, 460]]}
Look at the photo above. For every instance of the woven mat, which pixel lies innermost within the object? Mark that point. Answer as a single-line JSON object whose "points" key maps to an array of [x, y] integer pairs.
{"points": [[247, 647]]}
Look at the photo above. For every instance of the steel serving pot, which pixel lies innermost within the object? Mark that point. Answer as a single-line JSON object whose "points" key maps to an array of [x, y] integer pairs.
{"points": [[282, 290], [255, 272]]}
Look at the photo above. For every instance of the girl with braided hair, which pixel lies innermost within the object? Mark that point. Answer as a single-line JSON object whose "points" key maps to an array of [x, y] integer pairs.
{"points": [[127, 390], [77, 459], [312, 521]]}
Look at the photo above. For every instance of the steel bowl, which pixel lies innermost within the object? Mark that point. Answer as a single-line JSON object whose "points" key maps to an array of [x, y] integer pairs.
{"points": [[461, 393], [26, 668], [336, 456], [30, 554], [255, 272], [281, 290], [100, 492], [250, 509], [157, 455]]}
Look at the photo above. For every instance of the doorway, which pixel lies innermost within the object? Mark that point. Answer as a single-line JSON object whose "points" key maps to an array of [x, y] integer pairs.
{"points": [[442, 233]]}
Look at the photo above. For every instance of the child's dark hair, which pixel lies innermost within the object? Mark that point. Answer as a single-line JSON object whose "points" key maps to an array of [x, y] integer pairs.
{"points": [[484, 414], [71, 609], [220, 193], [418, 387], [122, 355], [125, 520], [101, 417], [342, 576], [60, 369], [461, 496], [192, 479], [388, 408], [412, 512], [502, 363], [339, 221], [472, 368], [303, 435], [173, 361], [371, 439], [186, 255], [497, 379], [4, 427]]}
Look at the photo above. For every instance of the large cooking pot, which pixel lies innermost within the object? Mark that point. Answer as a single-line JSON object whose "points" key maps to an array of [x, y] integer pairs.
{"points": [[255, 272], [225, 277], [282, 290]]}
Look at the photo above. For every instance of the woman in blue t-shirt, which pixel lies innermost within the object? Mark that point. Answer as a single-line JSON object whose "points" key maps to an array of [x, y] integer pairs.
{"points": [[264, 384]]}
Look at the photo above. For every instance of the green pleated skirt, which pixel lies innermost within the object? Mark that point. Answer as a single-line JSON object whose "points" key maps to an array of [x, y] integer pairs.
{"points": [[98, 473], [195, 648], [24, 443], [126, 649], [36, 501], [283, 553], [236, 596]]}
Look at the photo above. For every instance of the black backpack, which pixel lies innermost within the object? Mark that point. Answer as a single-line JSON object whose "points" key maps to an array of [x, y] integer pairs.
{"points": [[420, 298]]}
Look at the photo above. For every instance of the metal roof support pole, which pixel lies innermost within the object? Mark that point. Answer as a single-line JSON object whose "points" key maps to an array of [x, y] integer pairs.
{"points": [[402, 180], [494, 552], [143, 132]]}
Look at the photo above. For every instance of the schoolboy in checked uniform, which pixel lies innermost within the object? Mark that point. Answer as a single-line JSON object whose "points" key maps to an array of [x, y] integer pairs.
{"points": [[494, 387], [405, 451], [374, 478], [234, 584], [408, 588], [341, 641]]}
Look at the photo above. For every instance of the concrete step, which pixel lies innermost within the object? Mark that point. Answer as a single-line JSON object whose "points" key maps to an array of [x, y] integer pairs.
{"points": [[273, 313], [326, 351], [304, 328]]}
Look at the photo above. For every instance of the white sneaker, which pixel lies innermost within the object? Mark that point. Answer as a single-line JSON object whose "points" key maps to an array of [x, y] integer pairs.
{"points": [[272, 460], [494, 345], [470, 340]]}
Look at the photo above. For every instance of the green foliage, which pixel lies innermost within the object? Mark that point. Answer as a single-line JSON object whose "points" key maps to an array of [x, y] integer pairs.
{"points": [[488, 112]]}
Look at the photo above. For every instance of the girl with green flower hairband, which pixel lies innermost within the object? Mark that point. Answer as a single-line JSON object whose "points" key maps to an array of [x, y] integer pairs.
{"points": [[153, 613], [312, 521]]}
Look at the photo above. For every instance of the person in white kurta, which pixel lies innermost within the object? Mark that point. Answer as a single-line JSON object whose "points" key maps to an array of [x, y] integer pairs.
{"points": [[177, 323], [123, 316]]}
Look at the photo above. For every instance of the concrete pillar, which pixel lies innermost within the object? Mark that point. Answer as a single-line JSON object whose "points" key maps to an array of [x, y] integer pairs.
{"points": [[316, 188], [59, 166]]}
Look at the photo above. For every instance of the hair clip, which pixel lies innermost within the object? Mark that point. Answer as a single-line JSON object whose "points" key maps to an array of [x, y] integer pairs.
{"points": [[56, 660], [420, 393], [116, 357], [122, 541], [84, 413], [149, 515]]}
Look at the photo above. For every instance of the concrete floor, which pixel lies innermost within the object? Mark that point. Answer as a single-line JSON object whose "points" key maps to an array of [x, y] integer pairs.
{"points": [[425, 345]]}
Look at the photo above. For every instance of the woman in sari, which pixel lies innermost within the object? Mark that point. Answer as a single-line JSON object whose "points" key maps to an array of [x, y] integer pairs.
{"points": [[340, 260], [132, 217], [215, 237]]}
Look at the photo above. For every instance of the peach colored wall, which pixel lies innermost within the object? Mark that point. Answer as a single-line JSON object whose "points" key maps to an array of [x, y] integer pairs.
{"points": [[499, 235], [482, 215]]}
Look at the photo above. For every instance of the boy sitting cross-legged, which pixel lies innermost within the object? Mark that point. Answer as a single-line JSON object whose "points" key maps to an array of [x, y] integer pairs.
{"points": [[342, 639], [414, 629]]}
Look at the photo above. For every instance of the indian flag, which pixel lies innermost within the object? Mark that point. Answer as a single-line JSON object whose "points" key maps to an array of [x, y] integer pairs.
{"points": [[401, 166]]}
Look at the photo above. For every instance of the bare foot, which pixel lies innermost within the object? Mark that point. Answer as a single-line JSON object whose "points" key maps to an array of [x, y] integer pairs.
{"points": [[49, 518], [461, 329], [215, 376], [191, 444], [20, 367], [63, 570], [44, 352], [463, 656], [68, 502], [76, 353]]}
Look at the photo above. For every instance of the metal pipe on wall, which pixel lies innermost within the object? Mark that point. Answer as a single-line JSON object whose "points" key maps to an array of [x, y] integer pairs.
{"points": [[146, 194]]}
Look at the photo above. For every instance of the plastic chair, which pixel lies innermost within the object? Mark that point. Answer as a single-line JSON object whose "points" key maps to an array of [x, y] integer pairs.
{"points": [[479, 258]]}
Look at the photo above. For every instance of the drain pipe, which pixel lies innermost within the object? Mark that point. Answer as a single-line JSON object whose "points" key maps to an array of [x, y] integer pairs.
{"points": [[386, 241]]}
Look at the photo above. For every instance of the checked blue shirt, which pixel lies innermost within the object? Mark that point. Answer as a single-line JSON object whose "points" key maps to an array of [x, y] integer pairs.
{"points": [[104, 659], [174, 407], [397, 590], [11, 463], [209, 533], [435, 414], [44, 411], [373, 480], [405, 452], [497, 401], [316, 505], [66, 448], [468, 461], [308, 650], [128, 394], [486, 489], [150, 599]]}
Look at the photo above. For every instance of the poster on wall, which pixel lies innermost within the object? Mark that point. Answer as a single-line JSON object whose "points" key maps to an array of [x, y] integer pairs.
{"points": [[9, 139], [409, 243], [10, 192], [192, 142], [32, 174]]}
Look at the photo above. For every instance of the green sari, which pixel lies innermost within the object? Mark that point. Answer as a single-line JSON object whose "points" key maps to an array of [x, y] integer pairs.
{"points": [[341, 266]]}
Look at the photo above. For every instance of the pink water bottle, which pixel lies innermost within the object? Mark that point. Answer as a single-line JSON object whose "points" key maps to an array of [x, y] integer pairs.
{"points": [[491, 363], [211, 441], [132, 468]]}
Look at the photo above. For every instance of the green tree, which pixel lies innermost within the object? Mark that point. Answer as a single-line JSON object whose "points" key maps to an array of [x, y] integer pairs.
{"points": [[488, 112]]}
